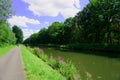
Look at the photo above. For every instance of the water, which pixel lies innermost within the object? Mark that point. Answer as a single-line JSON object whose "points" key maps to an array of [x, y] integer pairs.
{"points": [[90, 66]]}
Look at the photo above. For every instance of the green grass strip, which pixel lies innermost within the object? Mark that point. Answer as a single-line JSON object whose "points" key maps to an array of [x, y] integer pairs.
{"points": [[36, 69], [4, 50]]}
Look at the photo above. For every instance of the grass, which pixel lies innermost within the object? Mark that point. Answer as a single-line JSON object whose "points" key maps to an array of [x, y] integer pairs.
{"points": [[88, 64], [67, 69], [36, 69], [4, 50]]}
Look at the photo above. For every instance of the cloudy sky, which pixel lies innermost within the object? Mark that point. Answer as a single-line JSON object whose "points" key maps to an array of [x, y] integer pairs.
{"points": [[32, 15]]}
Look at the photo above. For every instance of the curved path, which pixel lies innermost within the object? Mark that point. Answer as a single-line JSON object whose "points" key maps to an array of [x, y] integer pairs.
{"points": [[11, 67]]}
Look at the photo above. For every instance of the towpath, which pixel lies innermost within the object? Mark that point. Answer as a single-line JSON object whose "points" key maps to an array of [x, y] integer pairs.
{"points": [[11, 66]]}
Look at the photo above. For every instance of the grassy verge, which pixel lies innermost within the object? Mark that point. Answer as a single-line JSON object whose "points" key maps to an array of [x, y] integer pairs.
{"points": [[36, 69], [4, 50], [65, 68]]}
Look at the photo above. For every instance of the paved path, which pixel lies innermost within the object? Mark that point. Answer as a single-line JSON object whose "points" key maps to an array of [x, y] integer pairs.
{"points": [[11, 67]]}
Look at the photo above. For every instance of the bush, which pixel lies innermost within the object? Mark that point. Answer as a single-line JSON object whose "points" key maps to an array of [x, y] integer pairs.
{"points": [[39, 53], [54, 63], [67, 69]]}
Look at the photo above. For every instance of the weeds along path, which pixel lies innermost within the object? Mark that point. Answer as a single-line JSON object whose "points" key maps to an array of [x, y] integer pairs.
{"points": [[36, 69], [11, 67]]}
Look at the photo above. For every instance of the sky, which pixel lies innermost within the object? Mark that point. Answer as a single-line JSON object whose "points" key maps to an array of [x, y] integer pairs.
{"points": [[33, 15]]}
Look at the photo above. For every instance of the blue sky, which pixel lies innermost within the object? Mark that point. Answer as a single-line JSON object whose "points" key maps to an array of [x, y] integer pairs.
{"points": [[32, 15]]}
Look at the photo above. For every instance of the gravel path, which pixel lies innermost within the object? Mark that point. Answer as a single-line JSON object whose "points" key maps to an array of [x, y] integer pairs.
{"points": [[11, 67]]}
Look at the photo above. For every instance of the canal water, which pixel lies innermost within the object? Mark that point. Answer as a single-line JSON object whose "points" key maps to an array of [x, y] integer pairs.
{"points": [[93, 67]]}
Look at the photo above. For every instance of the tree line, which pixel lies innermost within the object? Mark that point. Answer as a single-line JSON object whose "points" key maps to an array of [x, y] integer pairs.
{"points": [[8, 36], [98, 22]]}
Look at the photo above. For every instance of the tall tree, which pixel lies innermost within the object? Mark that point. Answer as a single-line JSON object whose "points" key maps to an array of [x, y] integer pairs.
{"points": [[5, 9], [18, 34], [99, 20], [6, 35]]}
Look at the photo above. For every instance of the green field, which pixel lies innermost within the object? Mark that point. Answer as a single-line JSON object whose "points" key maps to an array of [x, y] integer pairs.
{"points": [[4, 50], [36, 69]]}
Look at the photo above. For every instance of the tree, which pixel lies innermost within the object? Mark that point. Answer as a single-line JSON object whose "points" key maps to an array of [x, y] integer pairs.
{"points": [[53, 32], [18, 34], [33, 39], [99, 20], [6, 35], [43, 36], [5, 9]]}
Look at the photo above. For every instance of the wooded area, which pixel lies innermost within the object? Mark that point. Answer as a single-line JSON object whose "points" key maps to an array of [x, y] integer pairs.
{"points": [[98, 23], [7, 37]]}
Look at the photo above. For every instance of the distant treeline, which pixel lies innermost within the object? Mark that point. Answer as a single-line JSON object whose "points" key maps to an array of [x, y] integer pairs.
{"points": [[97, 23]]}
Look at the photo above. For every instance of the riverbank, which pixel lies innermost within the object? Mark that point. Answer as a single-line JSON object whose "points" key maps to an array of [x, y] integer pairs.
{"points": [[36, 69], [108, 50], [96, 65], [64, 67], [89, 65]]}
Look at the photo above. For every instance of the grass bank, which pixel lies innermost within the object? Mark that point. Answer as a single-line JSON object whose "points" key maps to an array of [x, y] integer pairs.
{"points": [[4, 50], [36, 69], [65, 68]]}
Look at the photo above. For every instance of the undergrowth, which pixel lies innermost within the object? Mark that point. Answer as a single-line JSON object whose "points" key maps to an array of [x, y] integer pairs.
{"points": [[65, 68], [37, 69]]}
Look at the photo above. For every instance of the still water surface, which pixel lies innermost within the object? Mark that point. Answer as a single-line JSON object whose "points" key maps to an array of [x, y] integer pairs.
{"points": [[92, 66]]}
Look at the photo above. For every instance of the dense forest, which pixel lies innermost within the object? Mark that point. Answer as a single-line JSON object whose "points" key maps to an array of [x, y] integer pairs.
{"points": [[7, 36], [97, 24]]}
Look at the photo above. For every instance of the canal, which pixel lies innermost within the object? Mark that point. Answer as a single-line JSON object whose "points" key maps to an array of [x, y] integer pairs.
{"points": [[94, 67]]}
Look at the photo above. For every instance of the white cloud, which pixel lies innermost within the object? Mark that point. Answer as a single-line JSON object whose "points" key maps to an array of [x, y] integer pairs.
{"points": [[28, 32], [46, 23], [68, 8], [22, 21]]}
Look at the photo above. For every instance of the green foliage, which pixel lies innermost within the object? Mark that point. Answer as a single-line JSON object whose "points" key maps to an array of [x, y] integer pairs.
{"points": [[5, 9], [4, 50], [36, 69], [97, 23], [40, 54], [54, 63], [43, 36], [57, 33], [67, 69], [7, 37], [33, 39], [18, 34]]}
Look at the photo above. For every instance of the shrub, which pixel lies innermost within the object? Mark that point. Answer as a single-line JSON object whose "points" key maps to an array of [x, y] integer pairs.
{"points": [[54, 63], [39, 52], [67, 69]]}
